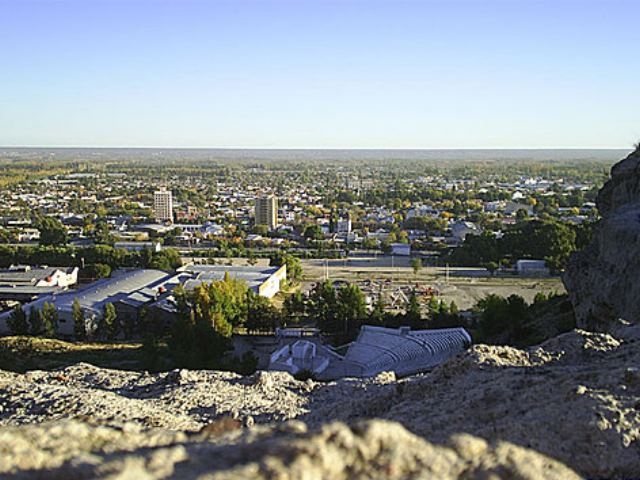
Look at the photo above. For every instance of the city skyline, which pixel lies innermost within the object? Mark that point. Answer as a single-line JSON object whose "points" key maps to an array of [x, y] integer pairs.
{"points": [[319, 75]]}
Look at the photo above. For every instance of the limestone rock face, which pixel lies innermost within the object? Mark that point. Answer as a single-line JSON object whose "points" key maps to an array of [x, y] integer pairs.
{"points": [[492, 412], [368, 449], [603, 280]]}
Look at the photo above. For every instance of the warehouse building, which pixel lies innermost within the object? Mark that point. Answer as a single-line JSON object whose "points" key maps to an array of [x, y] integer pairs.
{"points": [[264, 281]]}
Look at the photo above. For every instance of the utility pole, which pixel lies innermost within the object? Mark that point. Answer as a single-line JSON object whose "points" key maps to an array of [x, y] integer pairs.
{"points": [[392, 266]]}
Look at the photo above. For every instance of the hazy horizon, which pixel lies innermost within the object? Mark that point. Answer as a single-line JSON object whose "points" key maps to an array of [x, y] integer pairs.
{"points": [[297, 154]]}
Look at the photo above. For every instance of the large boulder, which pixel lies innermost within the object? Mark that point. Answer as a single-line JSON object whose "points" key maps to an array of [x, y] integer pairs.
{"points": [[603, 280]]}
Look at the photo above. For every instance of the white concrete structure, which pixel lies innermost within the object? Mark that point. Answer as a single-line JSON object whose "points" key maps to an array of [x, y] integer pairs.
{"points": [[377, 349], [298, 356], [26, 283], [163, 205], [403, 351]]}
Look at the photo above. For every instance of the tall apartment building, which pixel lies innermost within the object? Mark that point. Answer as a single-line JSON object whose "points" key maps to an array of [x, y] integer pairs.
{"points": [[163, 205], [267, 211]]}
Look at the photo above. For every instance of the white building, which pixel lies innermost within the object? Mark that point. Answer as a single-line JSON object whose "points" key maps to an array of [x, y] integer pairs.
{"points": [[461, 229], [163, 205], [401, 249], [264, 281], [344, 225], [532, 267]]}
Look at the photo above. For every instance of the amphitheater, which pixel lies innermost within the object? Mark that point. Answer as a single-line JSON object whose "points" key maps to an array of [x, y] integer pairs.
{"points": [[377, 349]]}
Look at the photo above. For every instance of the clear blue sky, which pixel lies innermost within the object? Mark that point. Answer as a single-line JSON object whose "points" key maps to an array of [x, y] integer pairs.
{"points": [[322, 73]]}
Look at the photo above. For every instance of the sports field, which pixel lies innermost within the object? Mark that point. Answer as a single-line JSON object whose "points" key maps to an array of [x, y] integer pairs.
{"points": [[465, 286]]}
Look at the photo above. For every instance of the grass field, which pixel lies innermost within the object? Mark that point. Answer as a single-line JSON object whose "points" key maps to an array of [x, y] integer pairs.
{"points": [[19, 354]]}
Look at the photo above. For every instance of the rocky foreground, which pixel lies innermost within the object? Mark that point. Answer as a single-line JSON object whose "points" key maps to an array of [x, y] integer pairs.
{"points": [[568, 408]]}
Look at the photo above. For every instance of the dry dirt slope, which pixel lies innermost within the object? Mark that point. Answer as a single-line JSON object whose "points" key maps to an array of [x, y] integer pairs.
{"points": [[571, 403]]}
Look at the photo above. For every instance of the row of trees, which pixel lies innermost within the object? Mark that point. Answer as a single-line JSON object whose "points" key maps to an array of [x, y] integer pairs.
{"points": [[45, 322], [340, 312], [547, 240], [96, 256]]}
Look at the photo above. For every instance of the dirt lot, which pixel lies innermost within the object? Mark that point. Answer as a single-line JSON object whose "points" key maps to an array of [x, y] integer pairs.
{"points": [[465, 286]]}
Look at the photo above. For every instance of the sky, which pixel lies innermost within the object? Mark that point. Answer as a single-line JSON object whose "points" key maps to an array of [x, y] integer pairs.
{"points": [[320, 73]]}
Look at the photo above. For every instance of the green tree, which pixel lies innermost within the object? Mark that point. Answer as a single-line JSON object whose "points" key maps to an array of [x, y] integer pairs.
{"points": [[79, 327], [416, 264], [52, 232], [294, 267], [167, 259], [313, 232], [413, 312], [434, 306], [491, 267], [323, 307], [17, 321], [109, 320], [453, 308], [378, 315], [352, 309], [541, 239], [476, 250], [102, 233], [200, 336], [261, 230], [501, 319], [98, 270], [262, 316], [295, 307], [36, 326], [522, 215], [49, 315]]}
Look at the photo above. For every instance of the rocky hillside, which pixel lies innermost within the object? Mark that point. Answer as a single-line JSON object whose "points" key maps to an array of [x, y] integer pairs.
{"points": [[568, 407], [602, 280]]}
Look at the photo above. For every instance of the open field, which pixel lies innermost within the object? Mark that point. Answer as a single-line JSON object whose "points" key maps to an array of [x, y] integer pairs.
{"points": [[465, 286], [20, 354]]}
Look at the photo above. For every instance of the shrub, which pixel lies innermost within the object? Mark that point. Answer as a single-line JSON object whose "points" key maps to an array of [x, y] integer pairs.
{"points": [[49, 316], [17, 322]]}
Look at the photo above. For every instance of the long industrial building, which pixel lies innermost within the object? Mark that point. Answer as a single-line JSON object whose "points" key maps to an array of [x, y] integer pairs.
{"points": [[141, 286], [132, 290]]}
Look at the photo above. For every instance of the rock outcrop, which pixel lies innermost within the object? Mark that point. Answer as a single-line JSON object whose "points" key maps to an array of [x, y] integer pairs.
{"points": [[569, 405], [603, 280], [369, 449]]}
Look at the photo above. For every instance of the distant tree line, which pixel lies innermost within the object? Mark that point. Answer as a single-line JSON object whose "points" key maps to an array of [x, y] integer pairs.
{"points": [[96, 259]]}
